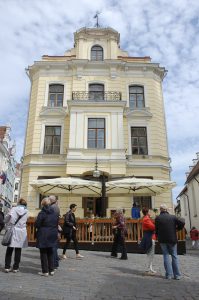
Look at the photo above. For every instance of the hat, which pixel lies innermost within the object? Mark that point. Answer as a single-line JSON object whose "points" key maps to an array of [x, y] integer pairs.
{"points": [[163, 207]]}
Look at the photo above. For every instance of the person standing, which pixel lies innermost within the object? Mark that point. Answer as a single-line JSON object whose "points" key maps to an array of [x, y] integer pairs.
{"points": [[46, 226], [166, 226], [119, 231], [54, 205], [135, 212], [148, 240], [70, 229], [17, 218], [194, 235]]}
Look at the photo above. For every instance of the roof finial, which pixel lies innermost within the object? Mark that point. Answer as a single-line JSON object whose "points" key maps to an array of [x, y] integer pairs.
{"points": [[96, 17]]}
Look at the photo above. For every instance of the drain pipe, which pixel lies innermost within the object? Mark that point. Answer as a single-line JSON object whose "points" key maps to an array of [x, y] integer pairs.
{"points": [[188, 210]]}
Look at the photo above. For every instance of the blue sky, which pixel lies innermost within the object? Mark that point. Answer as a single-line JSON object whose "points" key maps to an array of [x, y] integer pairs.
{"points": [[168, 31]]}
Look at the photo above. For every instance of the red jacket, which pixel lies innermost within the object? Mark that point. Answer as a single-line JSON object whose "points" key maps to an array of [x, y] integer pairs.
{"points": [[148, 225], [194, 234]]}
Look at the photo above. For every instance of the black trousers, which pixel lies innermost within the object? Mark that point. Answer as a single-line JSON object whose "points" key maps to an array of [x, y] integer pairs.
{"points": [[119, 242], [68, 240], [47, 259], [8, 258]]}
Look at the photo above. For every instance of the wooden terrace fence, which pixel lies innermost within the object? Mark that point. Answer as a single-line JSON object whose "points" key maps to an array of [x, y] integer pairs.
{"points": [[99, 230]]}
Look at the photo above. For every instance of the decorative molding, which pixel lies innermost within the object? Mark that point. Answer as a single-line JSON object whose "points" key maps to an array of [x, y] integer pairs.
{"points": [[143, 113], [53, 112]]}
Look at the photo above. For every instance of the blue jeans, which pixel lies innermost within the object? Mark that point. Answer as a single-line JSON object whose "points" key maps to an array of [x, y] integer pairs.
{"points": [[171, 269]]}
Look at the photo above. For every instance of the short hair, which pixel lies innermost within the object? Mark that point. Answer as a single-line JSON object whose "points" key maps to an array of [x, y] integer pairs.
{"points": [[73, 206], [22, 202], [163, 207], [45, 201], [53, 199], [145, 211]]}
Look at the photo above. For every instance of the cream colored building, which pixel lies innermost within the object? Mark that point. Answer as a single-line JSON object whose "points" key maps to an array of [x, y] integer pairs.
{"points": [[96, 101], [188, 197]]}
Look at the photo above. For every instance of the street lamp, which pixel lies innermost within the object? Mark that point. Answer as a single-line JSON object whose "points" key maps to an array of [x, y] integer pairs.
{"points": [[98, 174]]}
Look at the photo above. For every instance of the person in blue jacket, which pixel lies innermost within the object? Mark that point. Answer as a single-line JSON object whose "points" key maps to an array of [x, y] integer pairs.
{"points": [[135, 212]]}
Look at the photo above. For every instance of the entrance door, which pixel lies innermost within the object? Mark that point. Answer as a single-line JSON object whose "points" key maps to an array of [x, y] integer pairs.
{"points": [[94, 206]]}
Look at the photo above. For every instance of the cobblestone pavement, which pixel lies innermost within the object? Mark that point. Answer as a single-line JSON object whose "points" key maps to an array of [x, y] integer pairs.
{"points": [[97, 276]]}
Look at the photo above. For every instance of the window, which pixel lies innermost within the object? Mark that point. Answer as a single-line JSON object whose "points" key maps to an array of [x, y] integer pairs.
{"points": [[16, 186], [56, 94], [97, 53], [96, 92], [139, 140], [52, 140], [142, 201], [136, 97], [96, 133]]}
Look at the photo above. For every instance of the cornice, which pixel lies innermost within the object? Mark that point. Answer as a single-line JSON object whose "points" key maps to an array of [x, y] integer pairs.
{"points": [[53, 112], [103, 104]]}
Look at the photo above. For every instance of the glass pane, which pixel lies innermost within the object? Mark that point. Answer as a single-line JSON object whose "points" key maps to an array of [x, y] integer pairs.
{"points": [[100, 134], [57, 130], [52, 96], [92, 123], [56, 88], [134, 131], [91, 133], [100, 123], [134, 141], [100, 144], [56, 140], [56, 149], [96, 87], [60, 97], [91, 144], [140, 104], [132, 97], [142, 141], [52, 103], [60, 103], [49, 130], [140, 97], [132, 104], [134, 150], [143, 150], [141, 131]]}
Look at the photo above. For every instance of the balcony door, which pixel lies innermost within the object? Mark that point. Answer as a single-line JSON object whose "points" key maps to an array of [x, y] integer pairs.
{"points": [[96, 92], [94, 206]]}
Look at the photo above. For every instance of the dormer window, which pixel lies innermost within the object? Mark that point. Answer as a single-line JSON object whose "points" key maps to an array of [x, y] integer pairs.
{"points": [[97, 53], [136, 97], [56, 95]]}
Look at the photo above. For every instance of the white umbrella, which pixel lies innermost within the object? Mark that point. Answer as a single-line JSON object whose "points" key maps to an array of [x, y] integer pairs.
{"points": [[138, 186], [67, 185]]}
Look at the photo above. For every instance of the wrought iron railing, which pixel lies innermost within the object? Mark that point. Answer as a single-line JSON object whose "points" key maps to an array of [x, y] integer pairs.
{"points": [[96, 96]]}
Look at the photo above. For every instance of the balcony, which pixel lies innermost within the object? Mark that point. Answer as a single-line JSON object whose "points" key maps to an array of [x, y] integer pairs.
{"points": [[96, 96]]}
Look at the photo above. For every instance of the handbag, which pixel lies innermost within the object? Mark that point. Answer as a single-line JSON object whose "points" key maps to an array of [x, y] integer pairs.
{"points": [[7, 238]]}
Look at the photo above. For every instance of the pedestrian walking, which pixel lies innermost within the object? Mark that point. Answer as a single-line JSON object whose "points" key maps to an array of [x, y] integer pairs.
{"points": [[148, 240], [46, 226], [166, 226], [119, 232], [70, 230], [54, 205], [194, 235], [17, 218]]}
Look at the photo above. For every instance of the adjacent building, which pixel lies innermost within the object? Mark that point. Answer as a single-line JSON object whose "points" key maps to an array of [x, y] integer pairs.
{"points": [[188, 197], [96, 103], [7, 168]]}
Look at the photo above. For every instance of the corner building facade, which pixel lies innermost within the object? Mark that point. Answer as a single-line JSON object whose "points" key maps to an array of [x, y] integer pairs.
{"points": [[96, 101]]}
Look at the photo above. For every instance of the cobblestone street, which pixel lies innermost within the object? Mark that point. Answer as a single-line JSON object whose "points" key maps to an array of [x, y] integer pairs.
{"points": [[98, 276]]}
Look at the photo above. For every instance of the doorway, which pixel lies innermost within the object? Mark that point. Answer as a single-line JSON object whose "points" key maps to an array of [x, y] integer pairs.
{"points": [[93, 205]]}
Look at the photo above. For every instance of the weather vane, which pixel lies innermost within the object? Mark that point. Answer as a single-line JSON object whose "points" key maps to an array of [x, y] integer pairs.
{"points": [[96, 17]]}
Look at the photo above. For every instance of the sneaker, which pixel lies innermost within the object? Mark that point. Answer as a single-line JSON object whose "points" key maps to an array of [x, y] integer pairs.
{"points": [[52, 273], [79, 256], [15, 271], [152, 271], [124, 258], [43, 274], [64, 256], [177, 278], [149, 272], [8, 270]]}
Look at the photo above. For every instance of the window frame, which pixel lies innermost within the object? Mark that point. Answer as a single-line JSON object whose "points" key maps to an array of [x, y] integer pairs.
{"points": [[96, 134], [138, 138], [45, 127], [56, 95], [136, 97], [97, 54]]}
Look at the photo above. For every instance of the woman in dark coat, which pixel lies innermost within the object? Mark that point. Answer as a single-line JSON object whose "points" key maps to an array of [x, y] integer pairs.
{"points": [[46, 232]]}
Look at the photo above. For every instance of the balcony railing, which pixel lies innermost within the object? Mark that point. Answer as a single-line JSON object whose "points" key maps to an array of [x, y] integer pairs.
{"points": [[96, 96]]}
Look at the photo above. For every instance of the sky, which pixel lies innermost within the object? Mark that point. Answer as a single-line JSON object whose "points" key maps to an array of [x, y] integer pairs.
{"points": [[167, 31]]}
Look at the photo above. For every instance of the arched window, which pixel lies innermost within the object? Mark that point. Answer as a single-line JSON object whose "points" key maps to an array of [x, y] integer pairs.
{"points": [[96, 92], [136, 97], [97, 53], [56, 95]]}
